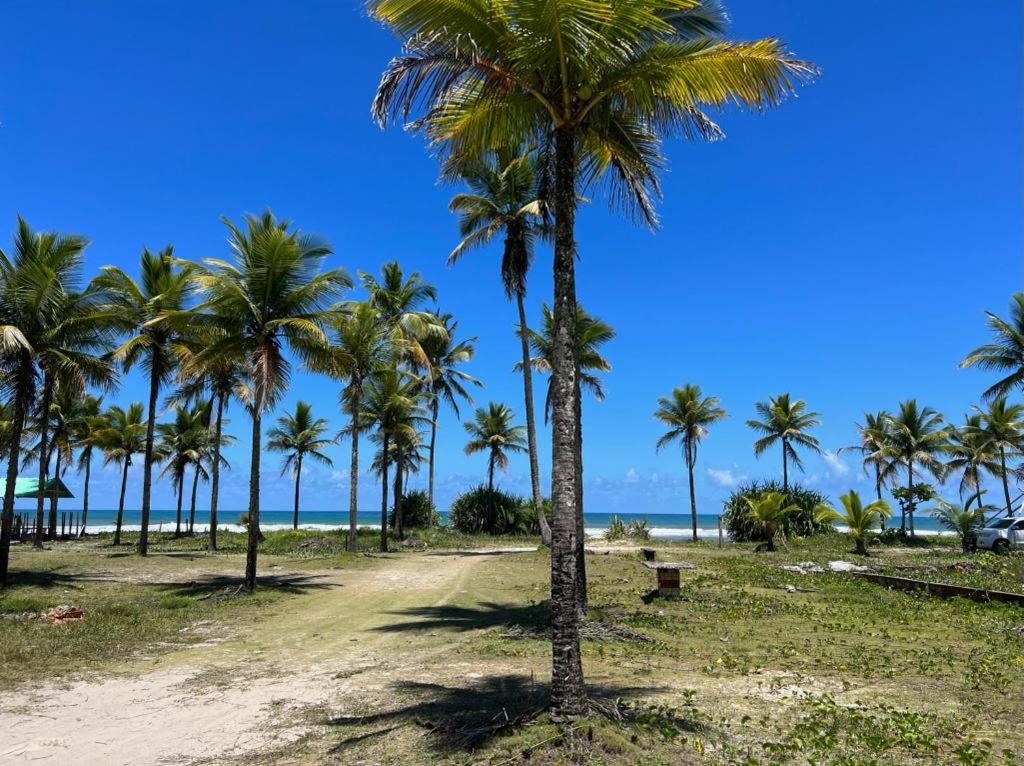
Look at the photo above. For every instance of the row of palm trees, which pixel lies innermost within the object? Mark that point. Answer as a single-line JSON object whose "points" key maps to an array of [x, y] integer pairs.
{"points": [[915, 439]]}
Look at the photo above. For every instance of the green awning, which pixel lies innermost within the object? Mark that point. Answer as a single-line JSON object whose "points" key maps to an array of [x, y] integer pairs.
{"points": [[25, 487]]}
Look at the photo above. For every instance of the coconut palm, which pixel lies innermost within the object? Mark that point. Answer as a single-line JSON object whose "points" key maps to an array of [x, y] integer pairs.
{"points": [[141, 309], [873, 447], [359, 349], [223, 377], [271, 297], [123, 437], [180, 447], [599, 84], [785, 422], [688, 413], [391, 403], [971, 452], [858, 518], [86, 424], [769, 512], [504, 199], [963, 520], [919, 439], [299, 436], [1005, 354], [1003, 424], [493, 432], [444, 380], [399, 301]]}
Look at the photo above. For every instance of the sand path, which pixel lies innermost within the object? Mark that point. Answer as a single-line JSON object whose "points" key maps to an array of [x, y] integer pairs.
{"points": [[228, 696]]}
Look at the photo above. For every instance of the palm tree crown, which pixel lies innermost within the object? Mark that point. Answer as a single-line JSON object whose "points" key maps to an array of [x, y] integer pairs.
{"points": [[1003, 424], [785, 421], [1005, 353], [493, 432]]}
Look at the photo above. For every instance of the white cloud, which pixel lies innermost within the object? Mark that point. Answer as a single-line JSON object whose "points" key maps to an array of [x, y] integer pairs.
{"points": [[836, 467], [632, 477], [724, 477]]}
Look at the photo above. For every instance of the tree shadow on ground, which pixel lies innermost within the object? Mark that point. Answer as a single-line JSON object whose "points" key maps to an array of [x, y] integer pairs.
{"points": [[496, 552], [464, 718], [213, 585], [486, 614], [57, 577]]}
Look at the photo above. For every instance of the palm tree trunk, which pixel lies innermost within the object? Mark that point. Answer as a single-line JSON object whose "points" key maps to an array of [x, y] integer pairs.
{"points": [[53, 497], [910, 500], [180, 481], [430, 476], [690, 460], [531, 425], [785, 467], [568, 691], [492, 515], [878, 490], [252, 548], [1006, 483], [147, 465], [44, 456], [85, 493], [384, 496], [120, 501], [21, 397], [399, 530], [211, 544], [192, 503], [298, 479], [353, 533], [581, 558]]}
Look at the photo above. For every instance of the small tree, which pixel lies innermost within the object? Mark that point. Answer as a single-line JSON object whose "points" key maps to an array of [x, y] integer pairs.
{"points": [[963, 520], [909, 498], [857, 517], [769, 512]]}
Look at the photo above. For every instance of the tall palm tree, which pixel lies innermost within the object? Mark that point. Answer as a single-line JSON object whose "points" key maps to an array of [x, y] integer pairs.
{"points": [[918, 438], [392, 404], [85, 429], [786, 422], [123, 437], [590, 333], [445, 381], [359, 349], [688, 413], [299, 436], [223, 377], [1005, 354], [180, 446], [271, 297], [873, 447], [971, 452], [1003, 424], [400, 302], [599, 85], [492, 431], [141, 309], [504, 199]]}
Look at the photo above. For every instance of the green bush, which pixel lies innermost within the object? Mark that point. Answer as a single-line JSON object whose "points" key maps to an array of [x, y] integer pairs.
{"points": [[634, 530], [492, 511], [416, 510], [800, 523]]}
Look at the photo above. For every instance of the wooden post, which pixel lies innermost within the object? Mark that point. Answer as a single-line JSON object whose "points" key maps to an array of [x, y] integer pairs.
{"points": [[721, 538]]}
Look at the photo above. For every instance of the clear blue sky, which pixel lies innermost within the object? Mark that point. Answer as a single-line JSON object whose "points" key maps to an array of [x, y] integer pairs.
{"points": [[842, 247]]}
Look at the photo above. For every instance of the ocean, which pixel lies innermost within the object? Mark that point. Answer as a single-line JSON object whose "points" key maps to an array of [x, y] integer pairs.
{"points": [[665, 526]]}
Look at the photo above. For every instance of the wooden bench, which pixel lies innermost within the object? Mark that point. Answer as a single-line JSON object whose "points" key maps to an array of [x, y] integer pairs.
{"points": [[668, 576]]}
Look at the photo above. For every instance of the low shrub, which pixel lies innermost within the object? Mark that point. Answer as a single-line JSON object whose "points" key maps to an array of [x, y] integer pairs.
{"points": [[638, 529], [417, 511], [801, 523], [492, 511]]}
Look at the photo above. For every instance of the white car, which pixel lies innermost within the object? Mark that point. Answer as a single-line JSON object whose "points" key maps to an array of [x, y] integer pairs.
{"points": [[1003, 535]]}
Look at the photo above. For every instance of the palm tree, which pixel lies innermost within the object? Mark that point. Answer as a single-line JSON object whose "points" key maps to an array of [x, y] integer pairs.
{"points": [[590, 334], [688, 413], [599, 85], [856, 517], [769, 512], [1003, 424], [271, 297], [391, 403], [444, 381], [85, 429], [181, 446], [141, 309], [359, 349], [399, 301], [971, 451], [873, 447], [492, 431], [1005, 354], [917, 438], [123, 437], [963, 520], [299, 435], [504, 198], [786, 422]]}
